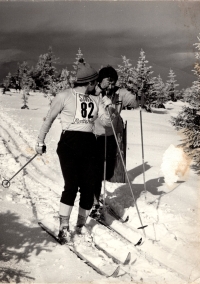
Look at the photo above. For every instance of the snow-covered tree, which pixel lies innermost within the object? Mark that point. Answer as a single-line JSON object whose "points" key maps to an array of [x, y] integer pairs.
{"points": [[158, 94], [79, 55], [7, 82], [187, 94], [25, 100], [61, 83], [145, 80], [72, 75], [64, 80], [26, 80], [45, 72], [171, 85], [189, 117], [125, 71]]}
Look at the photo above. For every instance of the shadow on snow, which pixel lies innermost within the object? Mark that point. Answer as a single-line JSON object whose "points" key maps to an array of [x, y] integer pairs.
{"points": [[152, 186], [8, 274], [18, 241]]}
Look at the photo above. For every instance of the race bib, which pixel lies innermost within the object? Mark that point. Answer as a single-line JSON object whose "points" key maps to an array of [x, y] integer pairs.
{"points": [[86, 109]]}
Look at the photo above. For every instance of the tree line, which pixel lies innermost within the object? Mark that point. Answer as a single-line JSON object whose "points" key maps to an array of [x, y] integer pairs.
{"points": [[44, 77], [137, 79]]}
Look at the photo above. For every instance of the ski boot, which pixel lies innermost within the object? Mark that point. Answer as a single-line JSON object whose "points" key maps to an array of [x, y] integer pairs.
{"points": [[80, 224], [64, 235], [95, 211]]}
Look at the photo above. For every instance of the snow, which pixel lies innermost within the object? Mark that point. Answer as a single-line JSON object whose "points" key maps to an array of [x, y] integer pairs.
{"points": [[170, 205]]}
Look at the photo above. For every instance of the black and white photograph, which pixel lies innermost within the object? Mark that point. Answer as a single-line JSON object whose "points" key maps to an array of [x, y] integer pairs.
{"points": [[100, 142]]}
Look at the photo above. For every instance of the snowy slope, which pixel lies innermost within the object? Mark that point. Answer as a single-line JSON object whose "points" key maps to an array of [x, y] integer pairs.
{"points": [[170, 209]]}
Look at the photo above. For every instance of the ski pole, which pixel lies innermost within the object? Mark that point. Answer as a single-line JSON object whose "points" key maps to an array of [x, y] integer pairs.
{"points": [[6, 183], [145, 190], [104, 175], [142, 227]]}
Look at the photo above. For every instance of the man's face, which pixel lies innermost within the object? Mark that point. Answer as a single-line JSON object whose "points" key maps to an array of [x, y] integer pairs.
{"points": [[110, 83], [91, 86]]}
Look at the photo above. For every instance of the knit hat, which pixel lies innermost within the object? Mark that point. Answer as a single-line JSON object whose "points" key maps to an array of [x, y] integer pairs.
{"points": [[85, 73]]}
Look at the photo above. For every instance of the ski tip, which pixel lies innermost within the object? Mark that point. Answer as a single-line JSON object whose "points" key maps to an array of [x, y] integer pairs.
{"points": [[128, 259], [116, 272], [126, 220], [48, 231], [139, 242]]}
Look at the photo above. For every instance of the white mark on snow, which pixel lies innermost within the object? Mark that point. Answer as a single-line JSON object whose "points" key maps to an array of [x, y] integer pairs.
{"points": [[175, 164]]}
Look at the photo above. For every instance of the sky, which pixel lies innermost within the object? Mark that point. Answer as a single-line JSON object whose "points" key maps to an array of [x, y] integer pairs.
{"points": [[104, 31]]}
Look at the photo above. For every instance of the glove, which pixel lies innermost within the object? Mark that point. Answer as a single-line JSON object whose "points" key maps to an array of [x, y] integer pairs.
{"points": [[106, 101], [40, 148]]}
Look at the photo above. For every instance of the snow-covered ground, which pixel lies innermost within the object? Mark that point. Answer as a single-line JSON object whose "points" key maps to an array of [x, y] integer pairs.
{"points": [[170, 207]]}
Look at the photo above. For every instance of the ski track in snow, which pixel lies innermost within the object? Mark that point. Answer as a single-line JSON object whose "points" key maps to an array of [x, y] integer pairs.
{"points": [[17, 147]]}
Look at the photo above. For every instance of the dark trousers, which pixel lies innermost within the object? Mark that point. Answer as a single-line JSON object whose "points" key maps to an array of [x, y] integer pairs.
{"points": [[76, 152], [111, 151]]}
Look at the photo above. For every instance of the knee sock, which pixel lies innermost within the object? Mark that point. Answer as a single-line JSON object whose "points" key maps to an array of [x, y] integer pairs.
{"points": [[64, 222], [81, 221]]}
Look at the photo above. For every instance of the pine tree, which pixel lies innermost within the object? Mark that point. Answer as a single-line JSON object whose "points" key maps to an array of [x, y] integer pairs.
{"points": [[171, 86], [64, 80], [45, 73], [145, 81], [72, 75], [188, 118], [25, 77], [79, 55], [26, 82], [187, 94], [61, 83], [125, 71], [17, 79], [158, 94], [7, 83], [25, 100]]}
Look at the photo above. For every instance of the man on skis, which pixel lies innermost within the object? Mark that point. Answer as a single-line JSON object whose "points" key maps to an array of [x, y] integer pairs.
{"points": [[120, 98]]}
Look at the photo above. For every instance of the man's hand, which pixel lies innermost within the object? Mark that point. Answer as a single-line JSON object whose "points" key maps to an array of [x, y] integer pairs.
{"points": [[40, 148], [106, 101]]}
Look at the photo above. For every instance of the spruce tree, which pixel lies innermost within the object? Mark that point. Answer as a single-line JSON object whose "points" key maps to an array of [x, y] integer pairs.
{"points": [[145, 81], [64, 80], [26, 82], [158, 93], [72, 75], [79, 55], [125, 71], [7, 83], [25, 77], [61, 83], [17, 79], [188, 118], [171, 86], [45, 72]]}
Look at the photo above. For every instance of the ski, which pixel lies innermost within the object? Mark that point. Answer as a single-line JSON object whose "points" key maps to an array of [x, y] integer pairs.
{"points": [[105, 270], [127, 260], [101, 217], [123, 258]]}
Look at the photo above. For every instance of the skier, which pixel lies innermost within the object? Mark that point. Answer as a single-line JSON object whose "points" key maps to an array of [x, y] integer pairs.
{"points": [[76, 149], [120, 98]]}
